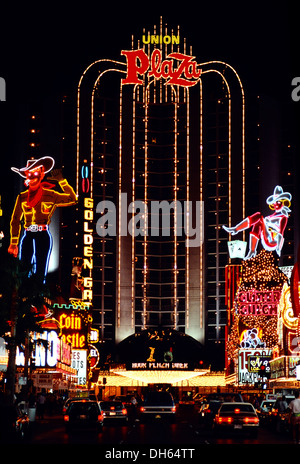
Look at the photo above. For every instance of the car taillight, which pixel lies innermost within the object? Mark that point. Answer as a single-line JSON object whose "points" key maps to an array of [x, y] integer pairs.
{"points": [[100, 417], [221, 420], [142, 409], [66, 418], [251, 420], [173, 408], [124, 411]]}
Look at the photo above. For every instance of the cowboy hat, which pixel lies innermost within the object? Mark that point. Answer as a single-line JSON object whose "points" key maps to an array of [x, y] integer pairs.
{"points": [[278, 195], [45, 161]]}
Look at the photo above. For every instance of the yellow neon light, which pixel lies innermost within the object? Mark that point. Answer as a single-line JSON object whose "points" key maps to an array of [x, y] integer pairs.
{"points": [[120, 215], [187, 270], [144, 316], [101, 61], [96, 83], [285, 309], [201, 274], [175, 211], [160, 376], [243, 129]]}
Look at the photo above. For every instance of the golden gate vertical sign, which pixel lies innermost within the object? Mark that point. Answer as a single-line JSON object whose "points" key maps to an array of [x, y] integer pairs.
{"points": [[87, 295]]}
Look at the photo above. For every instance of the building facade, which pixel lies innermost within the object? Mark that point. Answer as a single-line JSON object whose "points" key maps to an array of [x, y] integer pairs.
{"points": [[160, 168]]}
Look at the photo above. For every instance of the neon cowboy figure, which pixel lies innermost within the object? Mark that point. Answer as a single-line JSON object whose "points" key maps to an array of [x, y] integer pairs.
{"points": [[269, 229], [35, 206]]}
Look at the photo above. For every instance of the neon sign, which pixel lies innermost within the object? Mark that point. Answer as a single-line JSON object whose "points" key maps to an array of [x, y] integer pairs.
{"points": [[36, 206], [88, 250], [47, 354], [159, 39], [251, 338], [186, 74], [269, 229], [70, 322], [74, 329], [47, 357], [159, 365], [85, 183], [259, 303], [245, 373]]}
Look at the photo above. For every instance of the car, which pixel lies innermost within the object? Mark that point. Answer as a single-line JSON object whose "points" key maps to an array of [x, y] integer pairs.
{"points": [[125, 399], [187, 399], [14, 424], [237, 417], [265, 411], [68, 402], [212, 403], [85, 395], [208, 411], [113, 411], [83, 414], [226, 397], [158, 405]]}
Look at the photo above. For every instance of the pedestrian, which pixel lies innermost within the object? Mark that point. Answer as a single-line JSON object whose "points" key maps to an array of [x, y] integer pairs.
{"points": [[281, 406], [41, 406], [294, 407], [256, 403]]}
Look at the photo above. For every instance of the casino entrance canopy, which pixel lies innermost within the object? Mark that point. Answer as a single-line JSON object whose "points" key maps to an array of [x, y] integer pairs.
{"points": [[160, 376], [160, 356]]}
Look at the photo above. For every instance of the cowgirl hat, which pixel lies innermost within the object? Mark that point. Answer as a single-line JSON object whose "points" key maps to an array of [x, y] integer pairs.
{"points": [[283, 197], [46, 161], [278, 195]]}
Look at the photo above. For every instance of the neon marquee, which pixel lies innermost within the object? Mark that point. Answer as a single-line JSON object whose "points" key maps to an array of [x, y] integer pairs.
{"points": [[74, 329], [70, 322], [185, 74], [259, 303]]}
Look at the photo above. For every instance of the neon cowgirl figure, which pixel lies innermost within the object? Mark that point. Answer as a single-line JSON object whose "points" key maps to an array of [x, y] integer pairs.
{"points": [[268, 229], [35, 207]]}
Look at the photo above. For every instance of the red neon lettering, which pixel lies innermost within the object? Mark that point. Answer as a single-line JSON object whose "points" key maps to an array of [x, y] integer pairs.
{"points": [[137, 64], [165, 69], [186, 74], [183, 68]]}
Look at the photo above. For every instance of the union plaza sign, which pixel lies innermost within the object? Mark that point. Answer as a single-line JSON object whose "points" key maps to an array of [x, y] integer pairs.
{"points": [[178, 68]]}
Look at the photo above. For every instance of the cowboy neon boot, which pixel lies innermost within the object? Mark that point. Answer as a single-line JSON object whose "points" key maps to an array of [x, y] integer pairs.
{"points": [[253, 241], [238, 228]]}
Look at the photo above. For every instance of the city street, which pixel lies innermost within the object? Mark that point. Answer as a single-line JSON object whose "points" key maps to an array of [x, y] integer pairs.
{"points": [[186, 430]]}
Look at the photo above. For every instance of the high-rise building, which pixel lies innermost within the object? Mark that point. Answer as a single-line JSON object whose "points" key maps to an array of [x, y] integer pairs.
{"points": [[160, 169]]}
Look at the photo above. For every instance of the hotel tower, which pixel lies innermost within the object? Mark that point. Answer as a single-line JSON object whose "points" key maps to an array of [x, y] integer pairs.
{"points": [[158, 128]]}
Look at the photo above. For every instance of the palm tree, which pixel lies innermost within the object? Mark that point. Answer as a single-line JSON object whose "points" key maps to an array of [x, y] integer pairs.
{"points": [[21, 295]]}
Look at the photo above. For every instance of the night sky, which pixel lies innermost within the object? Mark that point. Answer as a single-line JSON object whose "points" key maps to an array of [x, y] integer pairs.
{"points": [[45, 48]]}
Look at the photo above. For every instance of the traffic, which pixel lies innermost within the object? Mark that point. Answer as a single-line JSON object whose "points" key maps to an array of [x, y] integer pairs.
{"points": [[157, 416]]}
